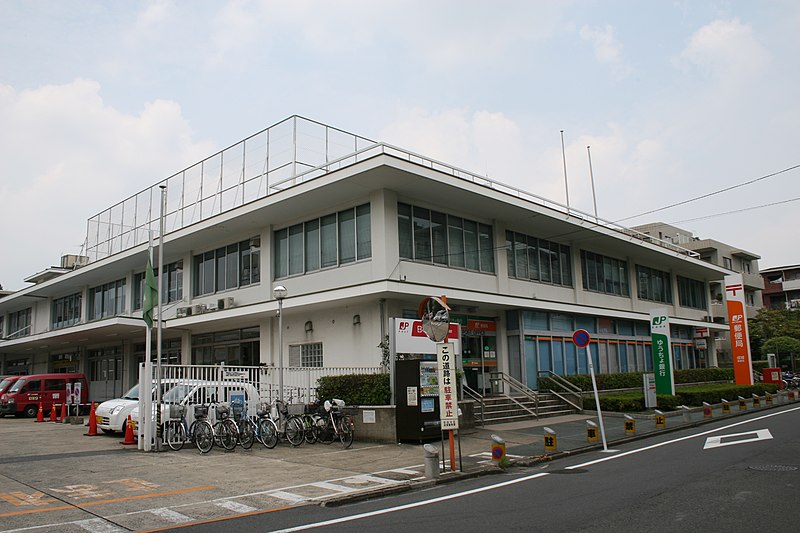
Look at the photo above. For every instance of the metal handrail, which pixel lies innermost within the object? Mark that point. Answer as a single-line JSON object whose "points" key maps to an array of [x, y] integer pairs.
{"points": [[476, 397], [570, 389], [520, 387]]}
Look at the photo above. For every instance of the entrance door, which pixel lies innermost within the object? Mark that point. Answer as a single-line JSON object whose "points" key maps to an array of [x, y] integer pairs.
{"points": [[479, 353], [105, 378]]}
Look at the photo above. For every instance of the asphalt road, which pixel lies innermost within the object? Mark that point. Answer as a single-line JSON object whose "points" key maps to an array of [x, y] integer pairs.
{"points": [[730, 475]]}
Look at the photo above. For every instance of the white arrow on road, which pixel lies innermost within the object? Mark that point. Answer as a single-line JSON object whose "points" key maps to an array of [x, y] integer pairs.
{"points": [[737, 438]]}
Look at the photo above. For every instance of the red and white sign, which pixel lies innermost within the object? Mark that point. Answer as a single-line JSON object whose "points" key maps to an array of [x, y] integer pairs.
{"points": [[737, 318], [410, 338], [448, 403]]}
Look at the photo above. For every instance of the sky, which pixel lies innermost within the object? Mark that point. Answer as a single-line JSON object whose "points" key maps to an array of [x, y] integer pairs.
{"points": [[677, 100]]}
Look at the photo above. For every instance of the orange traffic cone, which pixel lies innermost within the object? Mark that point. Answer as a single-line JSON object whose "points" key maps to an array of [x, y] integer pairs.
{"points": [[63, 417], [92, 423], [40, 414], [53, 412], [129, 438]]}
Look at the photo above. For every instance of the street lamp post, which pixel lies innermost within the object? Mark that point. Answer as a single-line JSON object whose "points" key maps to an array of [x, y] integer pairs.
{"points": [[280, 292]]}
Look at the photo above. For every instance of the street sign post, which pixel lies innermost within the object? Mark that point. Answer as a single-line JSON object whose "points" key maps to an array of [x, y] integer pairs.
{"points": [[581, 338]]}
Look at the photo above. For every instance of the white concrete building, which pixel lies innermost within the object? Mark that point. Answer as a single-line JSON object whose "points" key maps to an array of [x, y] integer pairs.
{"points": [[358, 232]]}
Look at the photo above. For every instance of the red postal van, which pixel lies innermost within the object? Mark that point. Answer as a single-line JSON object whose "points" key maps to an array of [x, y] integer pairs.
{"points": [[25, 394], [5, 384]]}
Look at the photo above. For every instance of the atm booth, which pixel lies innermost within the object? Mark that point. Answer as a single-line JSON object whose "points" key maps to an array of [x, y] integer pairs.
{"points": [[416, 385]]}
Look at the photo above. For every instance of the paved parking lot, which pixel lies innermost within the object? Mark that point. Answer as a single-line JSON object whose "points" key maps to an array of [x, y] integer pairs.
{"points": [[53, 477]]}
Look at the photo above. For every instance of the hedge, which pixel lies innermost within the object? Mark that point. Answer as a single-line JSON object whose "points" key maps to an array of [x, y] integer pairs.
{"points": [[356, 389], [630, 380], [693, 396]]}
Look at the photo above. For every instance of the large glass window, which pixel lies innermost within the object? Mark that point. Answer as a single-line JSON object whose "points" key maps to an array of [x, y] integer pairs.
{"points": [[691, 293], [19, 323], [171, 287], [66, 311], [538, 259], [229, 267], [236, 347], [107, 300], [434, 237], [604, 274], [653, 285], [332, 240]]}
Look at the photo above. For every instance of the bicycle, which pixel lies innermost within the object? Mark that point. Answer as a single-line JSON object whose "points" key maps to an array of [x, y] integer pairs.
{"points": [[201, 432], [226, 432], [247, 428], [310, 418], [174, 430], [289, 426], [335, 424], [267, 429]]}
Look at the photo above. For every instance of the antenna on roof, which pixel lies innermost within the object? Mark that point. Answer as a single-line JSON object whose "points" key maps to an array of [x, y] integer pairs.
{"points": [[564, 158], [591, 176]]}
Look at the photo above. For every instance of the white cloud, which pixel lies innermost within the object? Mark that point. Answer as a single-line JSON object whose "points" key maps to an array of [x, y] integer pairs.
{"points": [[725, 49], [607, 49], [69, 155]]}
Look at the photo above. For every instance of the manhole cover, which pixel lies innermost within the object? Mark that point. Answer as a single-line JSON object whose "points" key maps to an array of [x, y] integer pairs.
{"points": [[773, 468]]}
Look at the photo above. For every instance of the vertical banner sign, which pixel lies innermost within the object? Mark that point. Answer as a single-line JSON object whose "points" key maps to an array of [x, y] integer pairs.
{"points": [[737, 318], [448, 404], [662, 352]]}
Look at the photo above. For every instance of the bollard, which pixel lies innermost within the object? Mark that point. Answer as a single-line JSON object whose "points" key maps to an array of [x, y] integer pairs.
{"points": [[768, 398], [630, 425], [726, 407], [550, 442], [756, 400], [498, 449], [742, 404], [431, 461], [591, 432], [707, 411], [687, 413], [790, 395], [661, 420]]}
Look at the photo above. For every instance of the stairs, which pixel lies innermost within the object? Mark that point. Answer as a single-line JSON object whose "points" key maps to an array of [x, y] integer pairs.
{"points": [[502, 408]]}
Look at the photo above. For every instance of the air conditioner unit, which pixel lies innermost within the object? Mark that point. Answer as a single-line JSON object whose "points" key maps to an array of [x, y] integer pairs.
{"points": [[225, 303], [719, 319], [198, 309], [183, 312], [707, 319]]}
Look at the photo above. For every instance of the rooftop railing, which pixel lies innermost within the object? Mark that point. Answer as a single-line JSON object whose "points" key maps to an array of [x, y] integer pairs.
{"points": [[291, 152]]}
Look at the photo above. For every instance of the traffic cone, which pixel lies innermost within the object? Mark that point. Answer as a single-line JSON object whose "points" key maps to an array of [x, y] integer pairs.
{"points": [[129, 438], [40, 414], [63, 417], [92, 423], [53, 412]]}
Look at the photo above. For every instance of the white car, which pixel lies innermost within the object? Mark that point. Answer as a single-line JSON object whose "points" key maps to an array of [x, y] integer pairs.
{"points": [[112, 415], [200, 392]]}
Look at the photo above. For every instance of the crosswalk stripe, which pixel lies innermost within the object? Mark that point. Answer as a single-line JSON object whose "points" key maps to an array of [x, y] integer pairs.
{"points": [[98, 525], [236, 507], [332, 486], [169, 514], [288, 496]]}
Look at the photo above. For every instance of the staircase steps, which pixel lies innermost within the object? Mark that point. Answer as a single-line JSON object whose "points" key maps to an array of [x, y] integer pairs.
{"points": [[499, 409]]}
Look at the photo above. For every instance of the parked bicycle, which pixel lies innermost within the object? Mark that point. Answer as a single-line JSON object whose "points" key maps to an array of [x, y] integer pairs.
{"points": [[175, 433], [226, 432], [335, 424], [246, 426], [267, 432], [201, 432], [290, 427]]}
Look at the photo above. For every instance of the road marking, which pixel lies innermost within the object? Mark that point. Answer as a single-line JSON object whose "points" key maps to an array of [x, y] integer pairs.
{"points": [[288, 496], [173, 516], [680, 439], [406, 471], [332, 486], [235, 506], [98, 525], [366, 478], [716, 442], [103, 502]]}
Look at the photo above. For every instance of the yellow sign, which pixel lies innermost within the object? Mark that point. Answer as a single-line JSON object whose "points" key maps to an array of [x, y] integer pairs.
{"points": [[630, 426], [661, 421], [550, 444], [726, 408], [756, 401]]}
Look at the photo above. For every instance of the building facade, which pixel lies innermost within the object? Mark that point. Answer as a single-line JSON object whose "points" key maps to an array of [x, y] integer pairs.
{"points": [[358, 232], [782, 287]]}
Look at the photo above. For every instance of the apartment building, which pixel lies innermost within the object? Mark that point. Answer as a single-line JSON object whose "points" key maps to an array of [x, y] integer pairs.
{"points": [[781, 287]]}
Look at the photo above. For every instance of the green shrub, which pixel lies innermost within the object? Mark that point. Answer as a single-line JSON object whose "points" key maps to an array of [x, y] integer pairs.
{"points": [[633, 380], [356, 389], [692, 396]]}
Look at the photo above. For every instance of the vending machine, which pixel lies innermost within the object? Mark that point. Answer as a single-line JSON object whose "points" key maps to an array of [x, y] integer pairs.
{"points": [[417, 400]]}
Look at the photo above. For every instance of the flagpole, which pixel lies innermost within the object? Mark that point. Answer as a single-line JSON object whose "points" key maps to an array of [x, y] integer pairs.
{"points": [[160, 322], [145, 389]]}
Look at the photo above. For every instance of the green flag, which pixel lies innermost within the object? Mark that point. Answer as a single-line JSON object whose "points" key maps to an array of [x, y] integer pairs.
{"points": [[150, 294]]}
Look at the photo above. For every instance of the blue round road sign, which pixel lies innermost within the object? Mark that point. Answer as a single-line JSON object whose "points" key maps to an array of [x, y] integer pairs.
{"points": [[581, 338]]}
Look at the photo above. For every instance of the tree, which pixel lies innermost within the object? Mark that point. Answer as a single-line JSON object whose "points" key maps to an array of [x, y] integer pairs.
{"points": [[783, 346], [772, 323]]}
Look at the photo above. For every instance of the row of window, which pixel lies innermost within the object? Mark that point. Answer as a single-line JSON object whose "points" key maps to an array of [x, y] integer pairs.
{"points": [[66, 311], [230, 267], [538, 259], [329, 241], [433, 237]]}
